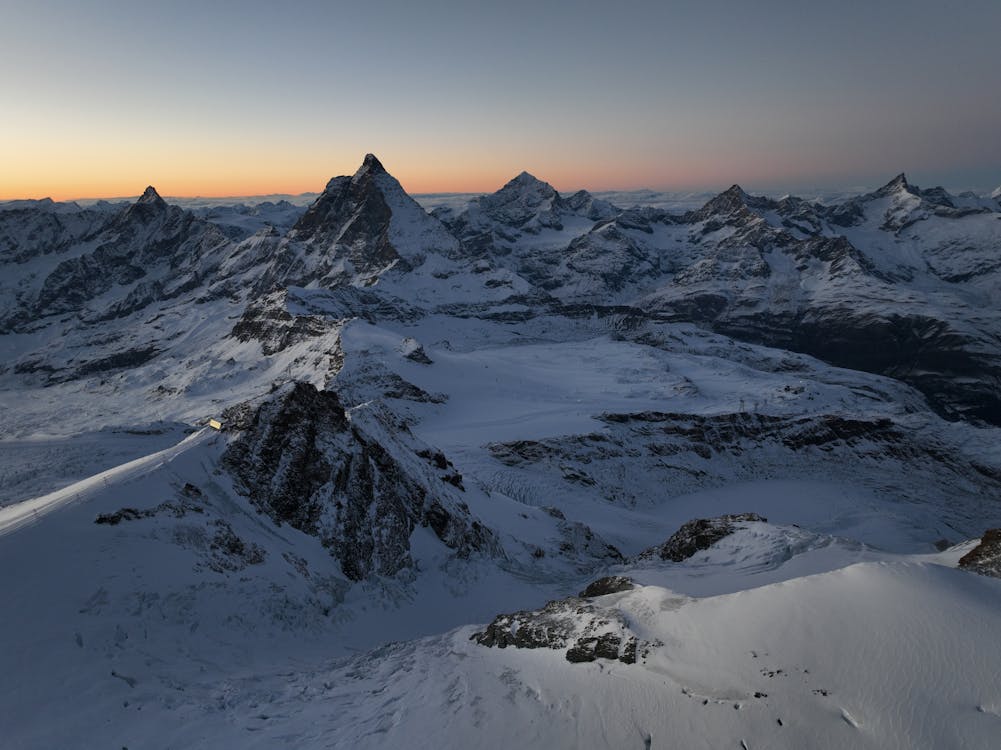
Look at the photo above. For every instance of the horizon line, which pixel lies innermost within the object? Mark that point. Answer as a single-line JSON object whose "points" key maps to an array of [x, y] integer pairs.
{"points": [[981, 190]]}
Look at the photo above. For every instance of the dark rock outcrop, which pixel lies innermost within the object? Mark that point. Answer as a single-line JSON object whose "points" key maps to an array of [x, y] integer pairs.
{"points": [[187, 504], [699, 534], [956, 370], [231, 553], [269, 322], [301, 461], [352, 214], [607, 585], [586, 631], [34, 230], [985, 558]]}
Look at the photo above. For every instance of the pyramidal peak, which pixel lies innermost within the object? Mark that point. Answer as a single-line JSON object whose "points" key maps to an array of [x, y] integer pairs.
{"points": [[370, 219], [897, 185], [370, 165], [148, 207], [899, 181], [150, 197], [526, 187], [732, 199], [525, 180]]}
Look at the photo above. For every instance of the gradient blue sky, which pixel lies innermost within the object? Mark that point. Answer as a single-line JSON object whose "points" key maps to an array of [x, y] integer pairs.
{"points": [[225, 97]]}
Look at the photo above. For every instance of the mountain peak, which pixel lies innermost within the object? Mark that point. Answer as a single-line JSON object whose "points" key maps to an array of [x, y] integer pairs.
{"points": [[527, 185], [733, 203], [731, 200], [371, 221], [526, 178], [150, 197], [584, 204], [370, 165], [896, 185], [148, 207]]}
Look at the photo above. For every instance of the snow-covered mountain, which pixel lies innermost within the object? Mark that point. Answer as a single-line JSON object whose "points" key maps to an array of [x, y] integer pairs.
{"points": [[462, 454]]}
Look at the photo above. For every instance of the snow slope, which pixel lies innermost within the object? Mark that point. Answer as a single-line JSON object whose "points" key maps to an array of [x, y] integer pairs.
{"points": [[787, 665], [29, 511]]}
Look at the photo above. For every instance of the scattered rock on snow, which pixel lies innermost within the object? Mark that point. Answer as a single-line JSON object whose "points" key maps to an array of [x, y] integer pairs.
{"points": [[177, 510], [230, 552], [413, 351], [697, 535], [587, 631]]}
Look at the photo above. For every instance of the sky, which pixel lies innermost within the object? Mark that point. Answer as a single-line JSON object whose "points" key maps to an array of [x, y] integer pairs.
{"points": [[99, 98]]}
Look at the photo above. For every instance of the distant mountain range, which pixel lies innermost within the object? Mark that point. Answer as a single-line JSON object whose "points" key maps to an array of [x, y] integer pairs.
{"points": [[497, 469]]}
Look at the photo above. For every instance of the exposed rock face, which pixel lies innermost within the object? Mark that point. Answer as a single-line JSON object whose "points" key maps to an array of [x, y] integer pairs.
{"points": [[31, 231], [902, 204], [148, 204], [732, 204], [985, 558], [752, 444], [697, 535], [525, 202], [269, 322], [694, 452], [215, 542], [783, 273], [605, 260], [587, 631], [721, 431], [352, 215], [953, 368], [171, 250], [526, 209], [359, 228], [302, 461], [580, 540], [583, 203], [412, 350], [607, 585], [230, 552]]}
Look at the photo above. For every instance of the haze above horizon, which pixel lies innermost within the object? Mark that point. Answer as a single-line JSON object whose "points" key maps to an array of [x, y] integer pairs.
{"points": [[248, 98]]}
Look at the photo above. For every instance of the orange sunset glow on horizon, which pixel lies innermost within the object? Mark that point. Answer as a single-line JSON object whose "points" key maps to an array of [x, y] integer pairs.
{"points": [[220, 174], [191, 103], [215, 174]]}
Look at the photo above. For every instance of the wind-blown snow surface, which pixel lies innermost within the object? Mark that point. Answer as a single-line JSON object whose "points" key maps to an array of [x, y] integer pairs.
{"points": [[741, 668], [495, 420]]}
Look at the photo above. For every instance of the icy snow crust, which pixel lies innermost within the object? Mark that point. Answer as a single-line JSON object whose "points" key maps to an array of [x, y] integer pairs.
{"points": [[148, 603]]}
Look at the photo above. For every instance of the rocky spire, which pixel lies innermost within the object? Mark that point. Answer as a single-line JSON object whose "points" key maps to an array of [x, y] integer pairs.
{"points": [[730, 201], [147, 207], [150, 196], [370, 166], [896, 185]]}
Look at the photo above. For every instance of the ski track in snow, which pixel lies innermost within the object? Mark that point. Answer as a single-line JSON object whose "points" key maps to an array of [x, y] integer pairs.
{"points": [[14, 517]]}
